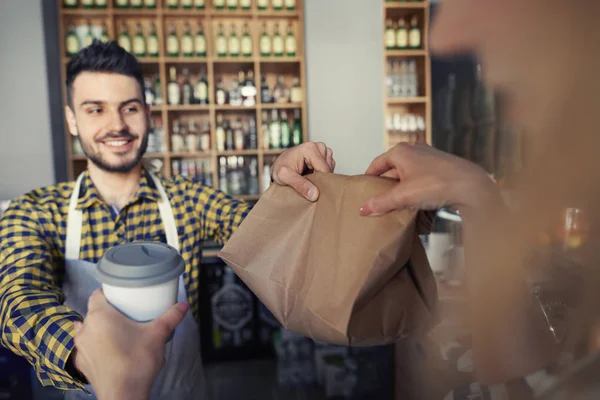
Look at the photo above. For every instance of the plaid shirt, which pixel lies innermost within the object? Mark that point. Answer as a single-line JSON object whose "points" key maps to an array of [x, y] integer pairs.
{"points": [[34, 322]]}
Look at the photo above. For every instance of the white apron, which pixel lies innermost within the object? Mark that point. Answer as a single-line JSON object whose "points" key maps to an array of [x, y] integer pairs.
{"points": [[182, 376]]}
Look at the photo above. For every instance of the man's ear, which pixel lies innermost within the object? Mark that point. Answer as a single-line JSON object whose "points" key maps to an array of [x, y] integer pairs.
{"points": [[71, 121]]}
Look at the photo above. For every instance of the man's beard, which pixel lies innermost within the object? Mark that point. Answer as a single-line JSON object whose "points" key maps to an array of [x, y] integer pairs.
{"points": [[124, 167]]}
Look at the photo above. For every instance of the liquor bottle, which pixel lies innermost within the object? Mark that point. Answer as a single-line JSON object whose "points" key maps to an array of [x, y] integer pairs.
{"points": [[187, 42], [220, 133], [70, 3], [192, 139], [297, 131], [201, 89], [252, 134], [249, 91], [104, 35], [232, 4], [246, 4], [186, 88], [265, 91], [200, 42], [177, 141], [277, 42], [229, 142], [186, 4], [277, 5], [262, 4], [148, 92], [415, 33], [412, 79], [290, 5], [246, 42], [265, 42], [205, 138], [101, 4], [235, 94], [219, 4], [286, 137], [275, 130], [87, 3], [223, 182], [89, 37], [234, 42], [281, 94], [395, 80], [150, 4], [208, 176], [173, 89], [139, 42], [172, 42], [235, 184], [220, 95], [152, 41], [296, 95], [266, 177], [402, 34], [199, 4], [290, 42], [173, 4], [238, 135], [221, 42], [158, 98], [122, 3], [266, 133], [136, 3], [176, 167], [124, 39], [390, 35], [253, 188]]}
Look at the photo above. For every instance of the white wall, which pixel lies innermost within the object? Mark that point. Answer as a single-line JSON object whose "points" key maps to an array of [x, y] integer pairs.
{"points": [[25, 138], [344, 53]]}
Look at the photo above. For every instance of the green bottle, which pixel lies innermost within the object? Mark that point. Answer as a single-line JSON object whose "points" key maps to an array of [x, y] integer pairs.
{"points": [[72, 43], [124, 39], [89, 37], [200, 43], [139, 42], [152, 42], [104, 35], [172, 42], [297, 131], [187, 42], [285, 131]]}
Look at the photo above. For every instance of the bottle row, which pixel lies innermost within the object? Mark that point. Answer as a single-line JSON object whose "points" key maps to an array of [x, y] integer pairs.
{"points": [[239, 176], [277, 5], [411, 123], [196, 138], [145, 42], [402, 79], [197, 169], [400, 36]]}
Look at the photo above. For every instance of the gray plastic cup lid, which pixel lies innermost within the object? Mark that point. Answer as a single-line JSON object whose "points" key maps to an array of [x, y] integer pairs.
{"points": [[139, 264]]}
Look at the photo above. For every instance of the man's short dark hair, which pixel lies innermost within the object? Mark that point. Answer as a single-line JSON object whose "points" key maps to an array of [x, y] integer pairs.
{"points": [[106, 57]]}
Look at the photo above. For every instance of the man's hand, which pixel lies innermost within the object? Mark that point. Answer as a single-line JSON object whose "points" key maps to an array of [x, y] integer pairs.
{"points": [[429, 179], [297, 161], [118, 356]]}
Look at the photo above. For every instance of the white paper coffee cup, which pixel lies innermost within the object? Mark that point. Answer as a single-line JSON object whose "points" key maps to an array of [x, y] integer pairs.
{"points": [[141, 279]]}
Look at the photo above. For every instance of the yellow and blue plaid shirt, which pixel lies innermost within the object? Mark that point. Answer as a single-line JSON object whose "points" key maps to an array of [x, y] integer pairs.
{"points": [[34, 322]]}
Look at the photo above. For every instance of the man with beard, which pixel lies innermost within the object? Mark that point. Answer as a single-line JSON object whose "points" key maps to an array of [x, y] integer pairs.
{"points": [[51, 236]]}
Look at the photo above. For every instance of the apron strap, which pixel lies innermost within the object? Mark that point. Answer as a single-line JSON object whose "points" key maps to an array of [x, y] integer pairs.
{"points": [[166, 214], [74, 222]]}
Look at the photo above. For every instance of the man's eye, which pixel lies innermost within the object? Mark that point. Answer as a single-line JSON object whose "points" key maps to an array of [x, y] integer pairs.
{"points": [[94, 111], [132, 109]]}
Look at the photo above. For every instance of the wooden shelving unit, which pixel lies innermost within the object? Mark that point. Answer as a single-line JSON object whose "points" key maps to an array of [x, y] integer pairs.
{"points": [[215, 67], [401, 107]]}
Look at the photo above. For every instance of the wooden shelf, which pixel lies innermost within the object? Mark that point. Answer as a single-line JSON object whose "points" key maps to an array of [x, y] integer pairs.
{"points": [[283, 59], [234, 108], [407, 100], [156, 108], [181, 12], [270, 106], [273, 152], [185, 60], [237, 153], [135, 12], [405, 5], [149, 60], [85, 12], [197, 154], [234, 60], [277, 14], [191, 107], [231, 13], [406, 53]]}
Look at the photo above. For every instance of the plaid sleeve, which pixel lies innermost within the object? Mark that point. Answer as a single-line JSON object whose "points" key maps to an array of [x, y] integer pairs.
{"points": [[34, 324], [220, 213]]}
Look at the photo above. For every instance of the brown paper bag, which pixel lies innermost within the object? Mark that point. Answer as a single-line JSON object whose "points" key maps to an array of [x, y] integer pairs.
{"points": [[328, 273]]}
